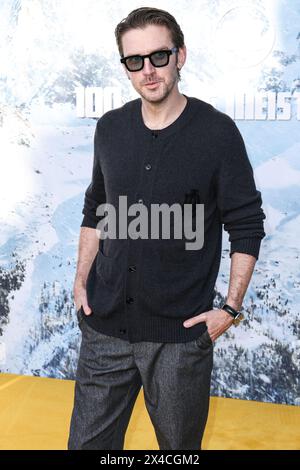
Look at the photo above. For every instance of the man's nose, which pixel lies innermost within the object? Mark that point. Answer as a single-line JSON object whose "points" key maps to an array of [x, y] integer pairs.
{"points": [[148, 67]]}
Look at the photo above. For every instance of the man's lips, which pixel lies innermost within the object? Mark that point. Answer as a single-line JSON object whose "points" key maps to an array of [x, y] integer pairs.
{"points": [[152, 83]]}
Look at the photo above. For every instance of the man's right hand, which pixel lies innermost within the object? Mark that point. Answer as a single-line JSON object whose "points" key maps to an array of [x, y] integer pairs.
{"points": [[80, 297]]}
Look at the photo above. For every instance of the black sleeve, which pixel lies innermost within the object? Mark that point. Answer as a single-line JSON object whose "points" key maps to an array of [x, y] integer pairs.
{"points": [[95, 193], [238, 200]]}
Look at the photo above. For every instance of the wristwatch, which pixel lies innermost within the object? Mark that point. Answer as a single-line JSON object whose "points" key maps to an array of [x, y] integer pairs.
{"points": [[238, 316]]}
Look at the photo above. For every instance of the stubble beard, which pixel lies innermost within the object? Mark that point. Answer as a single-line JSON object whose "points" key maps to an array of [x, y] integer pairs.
{"points": [[162, 95]]}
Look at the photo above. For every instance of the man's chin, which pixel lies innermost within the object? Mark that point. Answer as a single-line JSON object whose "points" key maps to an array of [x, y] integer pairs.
{"points": [[153, 97]]}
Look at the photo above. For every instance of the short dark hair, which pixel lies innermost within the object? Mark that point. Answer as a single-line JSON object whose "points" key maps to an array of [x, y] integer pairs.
{"points": [[143, 16]]}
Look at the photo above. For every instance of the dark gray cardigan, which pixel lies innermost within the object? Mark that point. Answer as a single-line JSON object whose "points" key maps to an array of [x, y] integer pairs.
{"points": [[143, 289]]}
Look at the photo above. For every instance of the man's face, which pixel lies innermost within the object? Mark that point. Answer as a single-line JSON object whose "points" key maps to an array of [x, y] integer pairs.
{"points": [[144, 41]]}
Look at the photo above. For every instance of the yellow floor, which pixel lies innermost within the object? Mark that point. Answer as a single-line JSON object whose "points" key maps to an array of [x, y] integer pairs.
{"points": [[35, 414]]}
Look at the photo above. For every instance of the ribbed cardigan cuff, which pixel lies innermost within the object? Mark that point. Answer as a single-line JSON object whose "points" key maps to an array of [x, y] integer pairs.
{"points": [[250, 246], [89, 222]]}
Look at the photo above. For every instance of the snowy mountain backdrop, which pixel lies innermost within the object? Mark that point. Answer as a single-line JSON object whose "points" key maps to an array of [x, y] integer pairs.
{"points": [[50, 47]]}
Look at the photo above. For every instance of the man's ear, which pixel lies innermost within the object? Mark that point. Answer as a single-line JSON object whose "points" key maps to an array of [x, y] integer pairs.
{"points": [[182, 55]]}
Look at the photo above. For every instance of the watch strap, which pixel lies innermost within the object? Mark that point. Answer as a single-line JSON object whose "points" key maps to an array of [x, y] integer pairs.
{"points": [[234, 313]]}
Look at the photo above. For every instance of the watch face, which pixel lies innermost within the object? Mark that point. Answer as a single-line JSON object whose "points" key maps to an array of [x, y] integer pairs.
{"points": [[238, 318]]}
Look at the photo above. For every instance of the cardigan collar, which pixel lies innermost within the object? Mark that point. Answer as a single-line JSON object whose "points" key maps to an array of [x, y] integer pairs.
{"points": [[171, 128]]}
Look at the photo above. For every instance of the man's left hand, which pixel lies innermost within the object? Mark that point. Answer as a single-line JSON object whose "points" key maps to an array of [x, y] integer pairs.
{"points": [[217, 322]]}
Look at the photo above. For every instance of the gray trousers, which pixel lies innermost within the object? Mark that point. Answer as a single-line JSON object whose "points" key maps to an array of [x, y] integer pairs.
{"points": [[110, 373]]}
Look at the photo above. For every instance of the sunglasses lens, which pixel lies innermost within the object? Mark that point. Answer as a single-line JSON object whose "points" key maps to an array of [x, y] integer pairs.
{"points": [[159, 58], [134, 63]]}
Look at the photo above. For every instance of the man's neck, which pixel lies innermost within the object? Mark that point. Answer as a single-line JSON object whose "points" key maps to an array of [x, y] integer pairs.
{"points": [[160, 115]]}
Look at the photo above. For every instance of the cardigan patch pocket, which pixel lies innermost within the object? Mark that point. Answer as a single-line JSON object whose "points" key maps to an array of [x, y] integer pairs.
{"points": [[105, 285], [108, 269], [160, 280]]}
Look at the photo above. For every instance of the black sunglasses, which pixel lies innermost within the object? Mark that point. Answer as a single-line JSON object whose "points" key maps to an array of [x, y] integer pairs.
{"points": [[160, 58]]}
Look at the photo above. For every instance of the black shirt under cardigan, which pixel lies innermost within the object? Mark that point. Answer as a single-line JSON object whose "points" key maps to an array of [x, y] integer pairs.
{"points": [[144, 289]]}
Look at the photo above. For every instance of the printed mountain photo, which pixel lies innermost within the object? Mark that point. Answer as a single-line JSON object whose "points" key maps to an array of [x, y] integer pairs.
{"points": [[46, 166]]}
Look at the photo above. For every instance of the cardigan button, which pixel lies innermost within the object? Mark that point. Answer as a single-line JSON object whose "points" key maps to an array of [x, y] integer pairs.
{"points": [[148, 166], [129, 300], [132, 268]]}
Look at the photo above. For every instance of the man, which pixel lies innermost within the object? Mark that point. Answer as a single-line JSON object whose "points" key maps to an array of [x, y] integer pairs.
{"points": [[145, 305]]}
